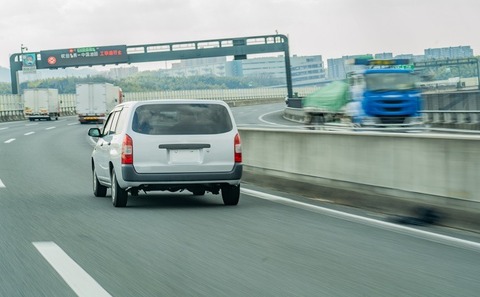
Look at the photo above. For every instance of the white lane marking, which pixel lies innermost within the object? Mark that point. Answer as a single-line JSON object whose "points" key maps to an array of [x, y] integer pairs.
{"points": [[4, 128], [50, 128], [77, 278], [10, 140], [434, 237], [73, 124], [2, 185], [29, 133], [260, 118], [31, 124]]}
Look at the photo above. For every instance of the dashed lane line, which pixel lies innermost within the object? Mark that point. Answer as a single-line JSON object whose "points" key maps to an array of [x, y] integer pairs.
{"points": [[50, 128], [10, 140], [74, 275], [2, 185], [29, 133]]}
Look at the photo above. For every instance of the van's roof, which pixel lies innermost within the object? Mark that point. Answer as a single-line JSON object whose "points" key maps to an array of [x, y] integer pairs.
{"points": [[173, 101]]}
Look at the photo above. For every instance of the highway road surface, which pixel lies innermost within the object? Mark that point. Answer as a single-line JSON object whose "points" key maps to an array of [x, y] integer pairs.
{"points": [[57, 239]]}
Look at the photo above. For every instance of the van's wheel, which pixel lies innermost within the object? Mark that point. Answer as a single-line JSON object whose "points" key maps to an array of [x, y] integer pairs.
{"points": [[119, 195], [230, 194], [99, 190]]}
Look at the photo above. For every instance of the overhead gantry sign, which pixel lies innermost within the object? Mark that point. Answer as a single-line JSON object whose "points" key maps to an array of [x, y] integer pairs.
{"points": [[238, 47]]}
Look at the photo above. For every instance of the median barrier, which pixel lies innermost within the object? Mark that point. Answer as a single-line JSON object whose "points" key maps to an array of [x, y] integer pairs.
{"points": [[393, 173]]}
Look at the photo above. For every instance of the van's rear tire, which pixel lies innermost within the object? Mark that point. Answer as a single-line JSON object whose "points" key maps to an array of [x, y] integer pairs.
{"points": [[231, 194], [119, 195]]}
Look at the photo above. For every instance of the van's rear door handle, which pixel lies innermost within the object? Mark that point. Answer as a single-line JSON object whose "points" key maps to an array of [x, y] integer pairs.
{"points": [[184, 146]]}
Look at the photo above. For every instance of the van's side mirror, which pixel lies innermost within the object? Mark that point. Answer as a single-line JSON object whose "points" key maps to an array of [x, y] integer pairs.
{"points": [[94, 132]]}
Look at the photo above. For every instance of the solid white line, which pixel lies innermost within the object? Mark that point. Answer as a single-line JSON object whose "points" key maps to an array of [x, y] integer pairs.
{"points": [[10, 140], [29, 133], [2, 185], [434, 237], [77, 278], [260, 118], [50, 128]]}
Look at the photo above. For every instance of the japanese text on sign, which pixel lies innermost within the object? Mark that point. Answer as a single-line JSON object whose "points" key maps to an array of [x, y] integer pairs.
{"points": [[84, 56]]}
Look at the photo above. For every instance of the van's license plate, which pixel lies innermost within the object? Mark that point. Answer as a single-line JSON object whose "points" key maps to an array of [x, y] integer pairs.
{"points": [[184, 156]]}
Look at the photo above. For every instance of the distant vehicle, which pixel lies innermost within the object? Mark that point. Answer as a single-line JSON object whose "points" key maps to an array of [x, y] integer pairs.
{"points": [[379, 96], [94, 101], [41, 104], [168, 145]]}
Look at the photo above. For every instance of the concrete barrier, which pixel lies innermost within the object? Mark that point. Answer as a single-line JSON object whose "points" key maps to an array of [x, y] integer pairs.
{"points": [[391, 172]]}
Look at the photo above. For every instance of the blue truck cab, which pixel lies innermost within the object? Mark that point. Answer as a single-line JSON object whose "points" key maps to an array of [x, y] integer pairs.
{"points": [[383, 95]]}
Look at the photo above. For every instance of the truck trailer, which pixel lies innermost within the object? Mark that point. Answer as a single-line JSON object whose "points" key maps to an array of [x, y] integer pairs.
{"points": [[41, 104], [95, 100]]}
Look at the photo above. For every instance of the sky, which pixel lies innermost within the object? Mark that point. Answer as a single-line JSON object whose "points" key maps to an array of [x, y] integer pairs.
{"points": [[331, 28]]}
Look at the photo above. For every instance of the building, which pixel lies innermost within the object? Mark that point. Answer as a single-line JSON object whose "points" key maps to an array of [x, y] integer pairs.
{"points": [[339, 67], [197, 67], [122, 72], [384, 56], [448, 53], [306, 70], [411, 57]]}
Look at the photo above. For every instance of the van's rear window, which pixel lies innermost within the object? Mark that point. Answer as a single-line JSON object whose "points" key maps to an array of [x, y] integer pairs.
{"points": [[181, 119]]}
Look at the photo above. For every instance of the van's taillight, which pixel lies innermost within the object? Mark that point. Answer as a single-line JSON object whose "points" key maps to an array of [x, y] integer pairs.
{"points": [[127, 150], [237, 147]]}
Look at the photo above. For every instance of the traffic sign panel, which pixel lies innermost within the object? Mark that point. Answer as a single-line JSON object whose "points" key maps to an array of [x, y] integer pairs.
{"points": [[86, 56]]}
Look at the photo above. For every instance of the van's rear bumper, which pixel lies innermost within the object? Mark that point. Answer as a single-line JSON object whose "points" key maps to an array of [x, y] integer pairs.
{"points": [[129, 175]]}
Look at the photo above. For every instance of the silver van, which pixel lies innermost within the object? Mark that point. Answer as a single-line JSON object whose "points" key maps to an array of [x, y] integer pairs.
{"points": [[167, 145]]}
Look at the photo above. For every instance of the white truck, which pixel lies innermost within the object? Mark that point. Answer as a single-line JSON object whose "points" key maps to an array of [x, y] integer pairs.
{"points": [[95, 100], [41, 104]]}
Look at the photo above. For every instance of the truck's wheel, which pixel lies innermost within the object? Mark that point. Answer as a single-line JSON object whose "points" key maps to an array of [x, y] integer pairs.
{"points": [[119, 195], [231, 194], [99, 190]]}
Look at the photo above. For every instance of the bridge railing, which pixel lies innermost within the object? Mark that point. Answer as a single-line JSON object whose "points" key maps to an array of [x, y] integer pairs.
{"points": [[11, 106]]}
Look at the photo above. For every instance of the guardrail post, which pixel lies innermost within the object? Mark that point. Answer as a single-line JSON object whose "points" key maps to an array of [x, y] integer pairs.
{"points": [[447, 118], [437, 117], [475, 118], [427, 117]]}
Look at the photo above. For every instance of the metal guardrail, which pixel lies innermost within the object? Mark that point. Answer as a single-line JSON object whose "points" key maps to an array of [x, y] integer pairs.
{"points": [[452, 116], [11, 106]]}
